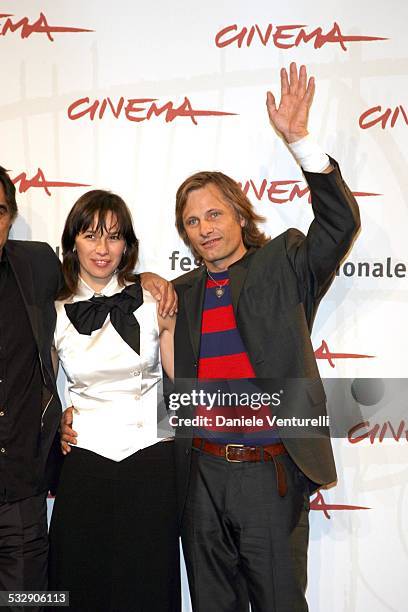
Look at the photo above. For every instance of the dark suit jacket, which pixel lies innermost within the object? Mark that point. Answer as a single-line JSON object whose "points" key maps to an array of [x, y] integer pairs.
{"points": [[38, 274], [276, 290]]}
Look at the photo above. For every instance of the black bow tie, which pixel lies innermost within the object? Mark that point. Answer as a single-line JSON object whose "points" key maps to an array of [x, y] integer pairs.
{"points": [[89, 315]]}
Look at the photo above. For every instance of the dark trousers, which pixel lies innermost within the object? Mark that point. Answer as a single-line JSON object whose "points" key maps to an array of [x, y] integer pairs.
{"points": [[114, 536], [23, 546], [242, 542]]}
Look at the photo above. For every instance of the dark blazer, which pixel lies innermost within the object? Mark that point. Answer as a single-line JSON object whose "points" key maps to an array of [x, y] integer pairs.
{"points": [[38, 274], [276, 290]]}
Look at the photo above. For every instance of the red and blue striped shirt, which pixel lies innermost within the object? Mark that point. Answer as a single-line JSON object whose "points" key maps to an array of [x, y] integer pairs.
{"points": [[223, 357]]}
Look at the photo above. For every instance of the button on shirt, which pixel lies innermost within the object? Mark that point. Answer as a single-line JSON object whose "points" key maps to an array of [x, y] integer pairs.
{"points": [[112, 387], [20, 394]]}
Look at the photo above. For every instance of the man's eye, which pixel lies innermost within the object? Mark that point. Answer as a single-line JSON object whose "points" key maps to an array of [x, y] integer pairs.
{"points": [[114, 237], [192, 222], [91, 236], [214, 214]]}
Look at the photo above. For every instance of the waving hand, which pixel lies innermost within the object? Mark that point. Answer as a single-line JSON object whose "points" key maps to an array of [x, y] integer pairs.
{"points": [[290, 118]]}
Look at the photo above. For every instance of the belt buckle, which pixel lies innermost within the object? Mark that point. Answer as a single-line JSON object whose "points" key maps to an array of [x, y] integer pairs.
{"points": [[227, 447]]}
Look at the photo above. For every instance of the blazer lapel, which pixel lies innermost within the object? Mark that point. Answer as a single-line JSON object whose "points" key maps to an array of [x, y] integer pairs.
{"points": [[22, 272], [238, 273], [193, 303]]}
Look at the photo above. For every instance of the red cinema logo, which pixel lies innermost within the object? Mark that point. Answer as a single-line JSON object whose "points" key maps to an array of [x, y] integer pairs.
{"points": [[40, 182], [389, 117], [281, 192], [286, 36], [41, 26], [378, 431], [137, 110], [318, 503], [323, 352]]}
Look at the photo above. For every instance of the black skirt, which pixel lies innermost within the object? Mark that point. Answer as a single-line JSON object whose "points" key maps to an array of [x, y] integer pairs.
{"points": [[114, 537]]}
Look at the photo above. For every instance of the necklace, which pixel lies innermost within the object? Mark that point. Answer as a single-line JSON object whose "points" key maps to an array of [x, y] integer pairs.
{"points": [[220, 289]]}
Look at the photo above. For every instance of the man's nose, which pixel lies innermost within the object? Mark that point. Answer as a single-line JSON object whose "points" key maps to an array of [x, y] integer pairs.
{"points": [[206, 227]]}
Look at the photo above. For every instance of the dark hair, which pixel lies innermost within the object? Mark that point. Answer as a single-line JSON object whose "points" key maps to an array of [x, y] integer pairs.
{"points": [[97, 203], [232, 193], [9, 191]]}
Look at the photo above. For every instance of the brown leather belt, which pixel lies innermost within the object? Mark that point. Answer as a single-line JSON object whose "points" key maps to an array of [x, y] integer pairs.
{"points": [[236, 453]]}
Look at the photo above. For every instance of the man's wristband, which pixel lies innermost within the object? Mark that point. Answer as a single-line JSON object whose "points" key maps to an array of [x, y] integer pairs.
{"points": [[309, 154]]}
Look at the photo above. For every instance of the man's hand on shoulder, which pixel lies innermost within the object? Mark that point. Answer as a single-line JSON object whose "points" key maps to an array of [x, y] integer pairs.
{"points": [[162, 291]]}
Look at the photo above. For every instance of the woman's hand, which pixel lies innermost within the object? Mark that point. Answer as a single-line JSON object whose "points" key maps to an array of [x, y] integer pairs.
{"points": [[68, 435]]}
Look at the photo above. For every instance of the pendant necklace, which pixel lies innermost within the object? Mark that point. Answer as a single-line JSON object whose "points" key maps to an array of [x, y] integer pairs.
{"points": [[220, 289]]}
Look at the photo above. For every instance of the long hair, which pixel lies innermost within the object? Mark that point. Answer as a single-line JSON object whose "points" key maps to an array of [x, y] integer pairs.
{"points": [[232, 193], [9, 192], [96, 204]]}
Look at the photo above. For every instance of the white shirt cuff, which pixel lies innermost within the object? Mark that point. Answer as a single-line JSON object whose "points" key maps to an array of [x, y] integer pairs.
{"points": [[309, 154]]}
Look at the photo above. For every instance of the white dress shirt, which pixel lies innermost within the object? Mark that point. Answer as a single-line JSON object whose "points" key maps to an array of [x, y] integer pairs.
{"points": [[112, 387]]}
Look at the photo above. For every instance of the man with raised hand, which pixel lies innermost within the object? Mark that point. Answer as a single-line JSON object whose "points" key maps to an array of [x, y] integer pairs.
{"points": [[244, 320], [247, 313]]}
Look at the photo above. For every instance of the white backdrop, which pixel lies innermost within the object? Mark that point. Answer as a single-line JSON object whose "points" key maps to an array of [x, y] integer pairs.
{"points": [[169, 52]]}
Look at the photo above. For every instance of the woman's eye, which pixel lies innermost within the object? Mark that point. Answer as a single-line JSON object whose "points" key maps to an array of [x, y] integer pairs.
{"points": [[191, 221]]}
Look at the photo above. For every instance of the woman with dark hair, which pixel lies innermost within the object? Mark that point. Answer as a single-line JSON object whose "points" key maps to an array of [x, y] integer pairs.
{"points": [[114, 533]]}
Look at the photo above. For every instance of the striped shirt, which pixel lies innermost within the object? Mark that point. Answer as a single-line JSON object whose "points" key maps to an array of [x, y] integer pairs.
{"points": [[225, 366]]}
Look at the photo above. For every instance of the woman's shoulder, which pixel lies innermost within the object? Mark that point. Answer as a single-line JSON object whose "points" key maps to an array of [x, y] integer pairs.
{"points": [[60, 304], [136, 286], [62, 323], [148, 298]]}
